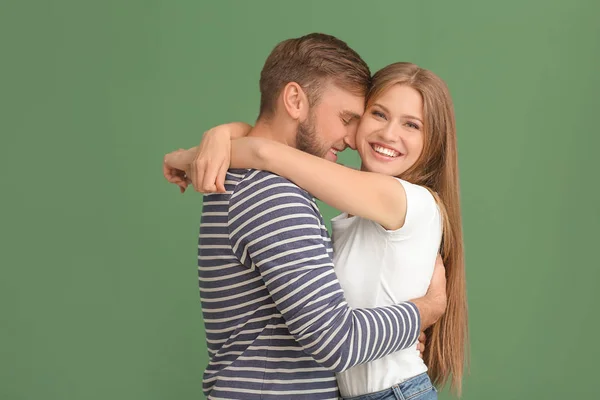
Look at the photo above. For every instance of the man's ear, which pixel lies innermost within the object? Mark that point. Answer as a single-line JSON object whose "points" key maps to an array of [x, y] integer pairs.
{"points": [[295, 101]]}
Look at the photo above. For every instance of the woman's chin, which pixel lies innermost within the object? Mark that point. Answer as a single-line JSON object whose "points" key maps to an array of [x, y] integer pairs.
{"points": [[383, 168], [375, 167]]}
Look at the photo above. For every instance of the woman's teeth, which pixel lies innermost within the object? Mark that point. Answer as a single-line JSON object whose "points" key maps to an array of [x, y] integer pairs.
{"points": [[385, 151]]}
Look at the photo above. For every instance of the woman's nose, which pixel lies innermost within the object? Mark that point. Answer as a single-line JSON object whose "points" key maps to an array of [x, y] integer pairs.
{"points": [[391, 133]]}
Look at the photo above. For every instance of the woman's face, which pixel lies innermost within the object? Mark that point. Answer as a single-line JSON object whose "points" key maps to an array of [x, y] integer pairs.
{"points": [[390, 134]]}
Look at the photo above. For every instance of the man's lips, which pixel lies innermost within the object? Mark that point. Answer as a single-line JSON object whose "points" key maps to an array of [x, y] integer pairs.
{"points": [[333, 153]]}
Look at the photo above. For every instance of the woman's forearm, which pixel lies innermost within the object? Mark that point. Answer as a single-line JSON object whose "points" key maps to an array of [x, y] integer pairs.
{"points": [[249, 153], [373, 196]]}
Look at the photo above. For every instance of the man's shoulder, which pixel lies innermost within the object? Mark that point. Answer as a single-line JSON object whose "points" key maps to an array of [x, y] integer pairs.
{"points": [[257, 175], [261, 193], [258, 183]]}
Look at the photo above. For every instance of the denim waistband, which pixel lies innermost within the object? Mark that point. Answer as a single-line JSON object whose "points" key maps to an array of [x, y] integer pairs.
{"points": [[409, 388]]}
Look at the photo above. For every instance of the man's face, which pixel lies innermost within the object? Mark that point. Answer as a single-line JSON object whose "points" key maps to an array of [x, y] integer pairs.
{"points": [[331, 124]]}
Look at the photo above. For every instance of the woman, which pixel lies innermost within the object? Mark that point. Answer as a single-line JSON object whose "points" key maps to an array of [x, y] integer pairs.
{"points": [[399, 211]]}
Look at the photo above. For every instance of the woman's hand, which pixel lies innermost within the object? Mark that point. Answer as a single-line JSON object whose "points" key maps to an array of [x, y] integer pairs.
{"points": [[174, 168], [211, 162], [213, 157]]}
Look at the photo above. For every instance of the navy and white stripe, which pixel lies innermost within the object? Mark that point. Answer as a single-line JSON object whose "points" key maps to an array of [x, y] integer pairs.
{"points": [[277, 323]]}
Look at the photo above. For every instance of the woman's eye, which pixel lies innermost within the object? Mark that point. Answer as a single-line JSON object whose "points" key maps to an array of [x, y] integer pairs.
{"points": [[412, 125], [378, 114]]}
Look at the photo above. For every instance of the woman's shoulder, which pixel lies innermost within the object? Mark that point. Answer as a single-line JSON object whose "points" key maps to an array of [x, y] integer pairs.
{"points": [[419, 193], [422, 208]]}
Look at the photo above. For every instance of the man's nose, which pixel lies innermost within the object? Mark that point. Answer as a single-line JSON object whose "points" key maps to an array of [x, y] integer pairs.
{"points": [[350, 141]]}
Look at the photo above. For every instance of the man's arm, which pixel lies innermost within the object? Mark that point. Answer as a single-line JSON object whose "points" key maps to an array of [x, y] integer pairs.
{"points": [[275, 228]]}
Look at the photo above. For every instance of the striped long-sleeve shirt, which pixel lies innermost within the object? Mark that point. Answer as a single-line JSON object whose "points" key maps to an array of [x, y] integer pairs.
{"points": [[277, 323]]}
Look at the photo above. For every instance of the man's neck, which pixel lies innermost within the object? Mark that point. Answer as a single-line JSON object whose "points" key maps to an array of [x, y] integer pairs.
{"points": [[279, 131]]}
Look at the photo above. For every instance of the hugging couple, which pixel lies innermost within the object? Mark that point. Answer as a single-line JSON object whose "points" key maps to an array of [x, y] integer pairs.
{"points": [[378, 309]]}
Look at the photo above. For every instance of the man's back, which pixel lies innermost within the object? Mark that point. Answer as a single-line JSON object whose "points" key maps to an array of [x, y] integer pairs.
{"points": [[249, 344], [277, 323]]}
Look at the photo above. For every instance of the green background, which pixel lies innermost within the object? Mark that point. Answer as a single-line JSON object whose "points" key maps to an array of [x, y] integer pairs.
{"points": [[98, 290]]}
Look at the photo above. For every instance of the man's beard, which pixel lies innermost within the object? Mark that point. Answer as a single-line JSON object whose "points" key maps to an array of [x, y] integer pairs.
{"points": [[307, 138]]}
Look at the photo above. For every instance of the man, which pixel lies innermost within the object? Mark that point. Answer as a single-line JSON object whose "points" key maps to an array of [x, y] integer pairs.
{"points": [[277, 323]]}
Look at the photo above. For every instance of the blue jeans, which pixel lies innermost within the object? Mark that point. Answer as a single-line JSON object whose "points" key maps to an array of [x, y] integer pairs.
{"points": [[417, 388]]}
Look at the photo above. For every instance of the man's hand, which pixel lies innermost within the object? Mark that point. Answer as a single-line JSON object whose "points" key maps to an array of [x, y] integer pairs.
{"points": [[421, 344], [433, 305]]}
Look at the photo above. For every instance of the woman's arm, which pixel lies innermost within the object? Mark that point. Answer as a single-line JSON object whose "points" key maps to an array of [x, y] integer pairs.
{"points": [[205, 166], [380, 198]]}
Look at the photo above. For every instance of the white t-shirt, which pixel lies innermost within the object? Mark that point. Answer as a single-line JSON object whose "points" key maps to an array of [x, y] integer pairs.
{"points": [[378, 267]]}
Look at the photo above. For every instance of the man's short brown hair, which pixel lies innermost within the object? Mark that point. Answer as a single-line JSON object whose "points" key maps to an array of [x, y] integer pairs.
{"points": [[311, 61]]}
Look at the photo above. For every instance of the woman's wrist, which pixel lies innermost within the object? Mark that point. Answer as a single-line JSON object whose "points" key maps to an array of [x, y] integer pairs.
{"points": [[182, 159]]}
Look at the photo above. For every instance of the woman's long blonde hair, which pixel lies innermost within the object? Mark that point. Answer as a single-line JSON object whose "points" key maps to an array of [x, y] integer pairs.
{"points": [[446, 351]]}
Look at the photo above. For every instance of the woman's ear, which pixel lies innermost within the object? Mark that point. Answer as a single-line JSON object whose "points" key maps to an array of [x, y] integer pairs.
{"points": [[295, 101]]}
